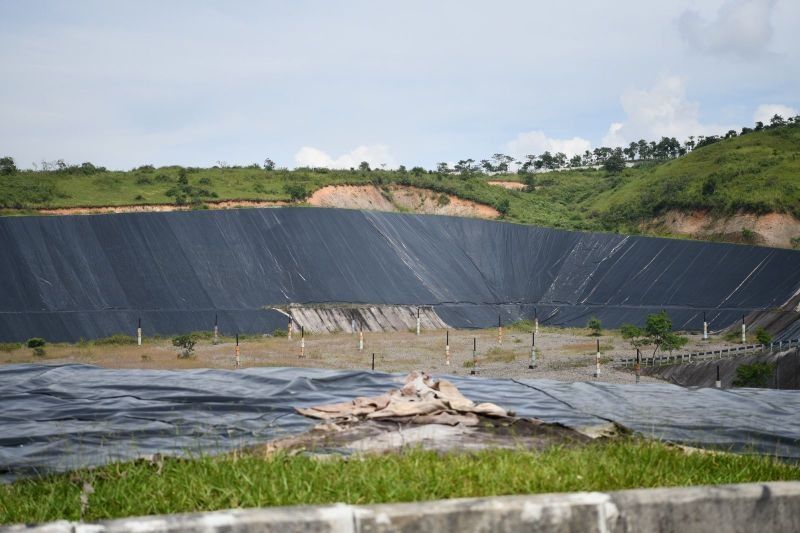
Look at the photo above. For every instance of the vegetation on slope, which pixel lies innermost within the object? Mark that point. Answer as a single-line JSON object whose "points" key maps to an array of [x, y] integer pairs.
{"points": [[758, 172], [167, 485]]}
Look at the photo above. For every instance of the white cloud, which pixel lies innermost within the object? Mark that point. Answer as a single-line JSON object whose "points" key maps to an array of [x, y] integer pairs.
{"points": [[536, 142], [662, 111], [764, 112], [376, 155], [741, 28]]}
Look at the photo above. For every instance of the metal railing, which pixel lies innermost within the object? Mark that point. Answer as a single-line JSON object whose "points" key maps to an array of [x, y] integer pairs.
{"points": [[722, 353]]}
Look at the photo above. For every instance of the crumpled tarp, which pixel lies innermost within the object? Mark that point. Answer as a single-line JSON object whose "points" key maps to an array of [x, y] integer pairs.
{"points": [[55, 418], [421, 400]]}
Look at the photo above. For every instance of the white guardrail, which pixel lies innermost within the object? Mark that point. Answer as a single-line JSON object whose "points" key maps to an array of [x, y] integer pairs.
{"points": [[723, 353]]}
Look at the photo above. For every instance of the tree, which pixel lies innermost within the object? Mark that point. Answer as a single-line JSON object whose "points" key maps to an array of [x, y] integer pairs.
{"points": [[364, 167], [466, 167], [269, 164], [777, 121], [7, 166], [615, 163], [37, 345], [657, 332], [594, 325], [185, 343], [442, 168]]}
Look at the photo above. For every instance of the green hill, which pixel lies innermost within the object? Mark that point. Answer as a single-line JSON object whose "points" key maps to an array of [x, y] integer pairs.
{"points": [[756, 173]]}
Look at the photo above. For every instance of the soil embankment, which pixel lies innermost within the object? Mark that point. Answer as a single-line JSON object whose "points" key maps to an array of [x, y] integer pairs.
{"points": [[399, 198], [156, 208], [772, 229]]}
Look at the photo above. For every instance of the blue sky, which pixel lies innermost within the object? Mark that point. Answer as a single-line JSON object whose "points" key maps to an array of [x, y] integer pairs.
{"points": [[332, 83]]}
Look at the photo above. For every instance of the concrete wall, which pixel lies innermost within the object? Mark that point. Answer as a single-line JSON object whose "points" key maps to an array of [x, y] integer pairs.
{"points": [[773, 507]]}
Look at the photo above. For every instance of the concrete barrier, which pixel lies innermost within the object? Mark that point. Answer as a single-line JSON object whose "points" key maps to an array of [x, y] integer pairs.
{"points": [[773, 507]]}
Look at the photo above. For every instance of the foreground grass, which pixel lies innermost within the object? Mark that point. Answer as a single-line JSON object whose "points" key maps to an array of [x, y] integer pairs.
{"points": [[209, 483]]}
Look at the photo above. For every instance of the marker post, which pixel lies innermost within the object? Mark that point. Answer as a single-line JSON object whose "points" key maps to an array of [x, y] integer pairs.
{"points": [[361, 338], [705, 327], [718, 383], [597, 361], [474, 371], [535, 320], [499, 329], [418, 322], [302, 342], [447, 348], [139, 333], [744, 331], [237, 362], [216, 329], [637, 367], [532, 364]]}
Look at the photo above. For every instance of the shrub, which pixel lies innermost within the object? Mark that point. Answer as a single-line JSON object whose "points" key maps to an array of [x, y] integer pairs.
{"points": [[594, 325], [443, 200], [39, 351], [185, 343], [503, 206], [763, 336], [8, 347], [754, 375], [280, 333], [36, 342], [296, 192]]}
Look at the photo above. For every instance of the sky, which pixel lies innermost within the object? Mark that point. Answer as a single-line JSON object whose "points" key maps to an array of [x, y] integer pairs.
{"points": [[333, 83]]}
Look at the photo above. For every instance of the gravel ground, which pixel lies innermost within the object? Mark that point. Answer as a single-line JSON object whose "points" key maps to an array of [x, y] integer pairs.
{"points": [[563, 354]]}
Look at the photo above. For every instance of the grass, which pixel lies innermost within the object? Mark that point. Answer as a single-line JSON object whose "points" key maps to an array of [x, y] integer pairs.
{"points": [[248, 480], [758, 172]]}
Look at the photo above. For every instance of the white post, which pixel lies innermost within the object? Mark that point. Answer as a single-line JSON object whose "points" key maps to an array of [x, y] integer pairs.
{"points": [[447, 349], [302, 342], [139, 333], [361, 340], [532, 364], [474, 371], [597, 361], [289, 330], [418, 322], [237, 362], [216, 330], [744, 332], [536, 325]]}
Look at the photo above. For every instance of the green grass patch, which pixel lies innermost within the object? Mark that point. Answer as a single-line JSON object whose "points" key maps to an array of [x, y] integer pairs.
{"points": [[210, 483]]}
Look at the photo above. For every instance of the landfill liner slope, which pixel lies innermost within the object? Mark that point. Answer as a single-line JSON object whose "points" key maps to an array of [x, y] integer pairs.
{"points": [[71, 277]]}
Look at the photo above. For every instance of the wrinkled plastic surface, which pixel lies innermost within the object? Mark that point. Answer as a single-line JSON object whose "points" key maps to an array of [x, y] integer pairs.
{"points": [[57, 418], [71, 277]]}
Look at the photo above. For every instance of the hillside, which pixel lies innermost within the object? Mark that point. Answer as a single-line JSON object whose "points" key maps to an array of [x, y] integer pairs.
{"points": [[744, 189]]}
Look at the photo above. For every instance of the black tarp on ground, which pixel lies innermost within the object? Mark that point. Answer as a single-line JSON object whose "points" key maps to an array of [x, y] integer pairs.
{"points": [[71, 277], [56, 418]]}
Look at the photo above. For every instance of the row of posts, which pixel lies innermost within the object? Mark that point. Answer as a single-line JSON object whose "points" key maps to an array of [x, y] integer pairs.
{"points": [[532, 364]]}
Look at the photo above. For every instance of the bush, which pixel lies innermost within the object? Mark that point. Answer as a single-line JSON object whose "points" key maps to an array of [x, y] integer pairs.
{"points": [[296, 192], [280, 333], [185, 343], [754, 375], [763, 336], [36, 342], [8, 347], [594, 325], [503, 206], [39, 351]]}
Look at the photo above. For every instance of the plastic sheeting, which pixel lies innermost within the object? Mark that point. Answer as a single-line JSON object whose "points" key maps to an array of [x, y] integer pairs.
{"points": [[72, 277], [57, 418]]}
